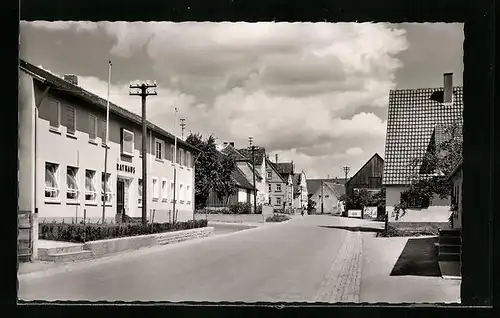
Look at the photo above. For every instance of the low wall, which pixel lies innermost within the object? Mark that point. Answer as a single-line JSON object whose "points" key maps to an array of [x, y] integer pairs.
{"points": [[232, 218], [428, 227], [103, 247]]}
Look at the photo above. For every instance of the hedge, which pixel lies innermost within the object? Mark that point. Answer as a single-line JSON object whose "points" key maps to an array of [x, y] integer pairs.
{"points": [[80, 233], [277, 218]]}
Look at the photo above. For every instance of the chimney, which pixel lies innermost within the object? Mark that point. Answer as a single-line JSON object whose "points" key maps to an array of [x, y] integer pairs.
{"points": [[448, 88], [73, 79], [231, 143], [276, 156]]}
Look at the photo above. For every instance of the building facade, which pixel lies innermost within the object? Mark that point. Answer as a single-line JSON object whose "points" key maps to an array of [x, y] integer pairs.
{"points": [[277, 188], [62, 149], [413, 115], [327, 198], [300, 190]]}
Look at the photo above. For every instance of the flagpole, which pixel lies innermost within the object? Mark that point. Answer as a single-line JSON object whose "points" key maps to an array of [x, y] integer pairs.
{"points": [[106, 149], [175, 162]]}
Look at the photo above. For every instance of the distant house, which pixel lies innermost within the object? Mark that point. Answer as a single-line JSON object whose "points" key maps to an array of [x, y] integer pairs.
{"points": [[243, 193], [414, 117], [300, 192], [244, 161], [286, 170], [368, 177], [327, 197], [277, 187]]}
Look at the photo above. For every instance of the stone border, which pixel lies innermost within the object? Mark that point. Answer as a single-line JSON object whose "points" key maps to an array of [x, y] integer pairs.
{"points": [[115, 245]]}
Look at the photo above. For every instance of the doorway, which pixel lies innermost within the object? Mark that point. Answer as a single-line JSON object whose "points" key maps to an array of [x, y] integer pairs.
{"points": [[120, 197]]}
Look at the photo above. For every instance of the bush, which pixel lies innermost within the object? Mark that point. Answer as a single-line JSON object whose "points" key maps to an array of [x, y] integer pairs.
{"points": [[80, 233], [410, 229], [277, 218], [240, 208]]}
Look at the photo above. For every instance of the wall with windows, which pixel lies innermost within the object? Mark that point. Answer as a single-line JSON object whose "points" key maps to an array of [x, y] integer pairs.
{"points": [[70, 164], [276, 188]]}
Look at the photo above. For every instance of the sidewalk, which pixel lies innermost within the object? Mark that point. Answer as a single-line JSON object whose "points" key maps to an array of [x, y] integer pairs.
{"points": [[380, 256]]}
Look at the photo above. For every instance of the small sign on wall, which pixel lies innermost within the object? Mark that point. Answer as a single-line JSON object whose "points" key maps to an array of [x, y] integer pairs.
{"points": [[371, 212], [354, 213]]}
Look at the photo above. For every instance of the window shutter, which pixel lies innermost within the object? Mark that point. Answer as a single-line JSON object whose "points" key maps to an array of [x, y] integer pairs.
{"points": [[70, 119], [92, 127], [53, 113]]}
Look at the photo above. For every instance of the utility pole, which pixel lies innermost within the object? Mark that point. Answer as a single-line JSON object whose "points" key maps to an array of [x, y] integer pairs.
{"points": [[183, 126], [322, 210], [144, 90], [346, 171], [252, 148]]}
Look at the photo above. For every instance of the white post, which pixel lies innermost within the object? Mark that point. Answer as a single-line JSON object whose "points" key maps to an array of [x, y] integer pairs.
{"points": [[106, 149]]}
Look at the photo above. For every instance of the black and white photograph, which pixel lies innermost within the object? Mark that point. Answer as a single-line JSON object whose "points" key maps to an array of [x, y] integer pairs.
{"points": [[240, 162]]}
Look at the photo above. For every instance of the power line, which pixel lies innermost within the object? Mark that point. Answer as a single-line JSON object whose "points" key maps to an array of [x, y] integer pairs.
{"points": [[144, 90]]}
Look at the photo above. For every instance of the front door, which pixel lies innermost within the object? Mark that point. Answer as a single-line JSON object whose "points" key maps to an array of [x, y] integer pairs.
{"points": [[120, 197]]}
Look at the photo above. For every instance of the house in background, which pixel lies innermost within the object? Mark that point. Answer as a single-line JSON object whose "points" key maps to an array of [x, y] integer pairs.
{"points": [[244, 191], [300, 191], [277, 187], [327, 197], [368, 177], [286, 170], [413, 116], [244, 162]]}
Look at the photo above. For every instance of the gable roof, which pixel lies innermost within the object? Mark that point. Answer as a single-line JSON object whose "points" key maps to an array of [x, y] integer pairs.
{"points": [[260, 153], [273, 166], [285, 168], [230, 150], [376, 155], [314, 184], [337, 189], [241, 180], [62, 85], [412, 117]]}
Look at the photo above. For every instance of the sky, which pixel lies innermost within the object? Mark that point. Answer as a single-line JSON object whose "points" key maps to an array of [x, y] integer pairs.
{"points": [[313, 93]]}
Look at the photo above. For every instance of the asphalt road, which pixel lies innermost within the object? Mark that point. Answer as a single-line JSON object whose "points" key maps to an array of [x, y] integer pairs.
{"points": [[279, 262]]}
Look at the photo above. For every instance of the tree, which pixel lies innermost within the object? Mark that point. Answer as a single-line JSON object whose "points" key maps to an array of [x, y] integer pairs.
{"points": [[226, 185], [212, 171], [430, 171]]}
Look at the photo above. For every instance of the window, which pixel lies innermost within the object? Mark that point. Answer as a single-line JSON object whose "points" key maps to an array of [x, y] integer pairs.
{"points": [[188, 159], [269, 175], [172, 150], [72, 190], [51, 181], [270, 188], [172, 190], [54, 113], [188, 194], [156, 189], [278, 187], [269, 201], [327, 196], [106, 185], [181, 192], [70, 120], [139, 192], [182, 158], [159, 149], [164, 190], [278, 201], [90, 189], [127, 142], [92, 127]]}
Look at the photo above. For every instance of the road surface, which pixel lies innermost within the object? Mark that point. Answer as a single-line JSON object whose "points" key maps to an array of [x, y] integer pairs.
{"points": [[301, 260]]}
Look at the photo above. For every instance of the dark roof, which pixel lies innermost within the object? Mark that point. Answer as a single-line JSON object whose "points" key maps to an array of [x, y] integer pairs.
{"points": [[285, 168], [366, 163], [338, 189], [230, 150], [241, 180], [77, 91], [273, 166], [260, 153], [412, 117], [314, 184], [296, 182]]}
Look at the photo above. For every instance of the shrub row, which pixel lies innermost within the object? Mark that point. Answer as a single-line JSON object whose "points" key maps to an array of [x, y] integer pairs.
{"points": [[277, 218], [80, 233], [393, 231], [234, 208]]}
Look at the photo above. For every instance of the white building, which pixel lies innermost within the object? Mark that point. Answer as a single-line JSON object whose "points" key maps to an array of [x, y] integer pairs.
{"points": [[61, 156]]}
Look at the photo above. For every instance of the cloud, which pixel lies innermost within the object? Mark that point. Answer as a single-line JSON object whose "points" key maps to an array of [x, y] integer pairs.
{"points": [[354, 151], [294, 87]]}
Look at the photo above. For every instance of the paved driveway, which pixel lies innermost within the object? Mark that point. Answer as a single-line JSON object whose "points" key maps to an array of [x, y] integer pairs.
{"points": [[278, 262]]}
